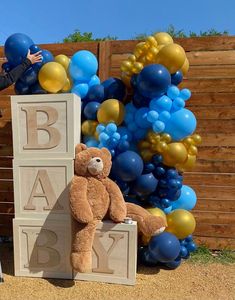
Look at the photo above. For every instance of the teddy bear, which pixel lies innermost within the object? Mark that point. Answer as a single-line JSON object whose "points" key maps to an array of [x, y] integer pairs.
{"points": [[94, 197]]}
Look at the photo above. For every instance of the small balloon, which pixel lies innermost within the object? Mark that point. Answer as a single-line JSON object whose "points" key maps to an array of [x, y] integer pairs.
{"points": [[163, 38], [89, 127], [111, 110], [63, 60]]}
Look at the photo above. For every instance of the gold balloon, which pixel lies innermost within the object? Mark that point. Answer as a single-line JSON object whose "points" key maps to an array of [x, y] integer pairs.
{"points": [[197, 139], [63, 60], [52, 77], [137, 67], [163, 38], [175, 154], [181, 223], [126, 79], [155, 211], [89, 127], [151, 41], [126, 65], [172, 57], [189, 164], [67, 87], [185, 67], [111, 110], [146, 155]]}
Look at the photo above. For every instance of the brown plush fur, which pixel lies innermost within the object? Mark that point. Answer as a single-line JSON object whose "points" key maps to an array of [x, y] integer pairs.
{"points": [[94, 197]]}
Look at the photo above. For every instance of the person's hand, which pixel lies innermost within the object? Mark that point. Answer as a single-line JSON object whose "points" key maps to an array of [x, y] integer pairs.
{"points": [[34, 58]]}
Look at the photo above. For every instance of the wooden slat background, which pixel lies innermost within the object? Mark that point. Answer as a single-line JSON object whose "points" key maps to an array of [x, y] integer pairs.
{"points": [[211, 79]]}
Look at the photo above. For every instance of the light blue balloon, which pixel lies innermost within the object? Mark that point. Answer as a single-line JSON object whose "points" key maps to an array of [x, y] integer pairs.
{"points": [[185, 94], [181, 124], [111, 128], [161, 104], [187, 199], [103, 137], [80, 89], [83, 65], [92, 143], [141, 118], [94, 80], [100, 128], [152, 116], [164, 116], [173, 92], [158, 126]]}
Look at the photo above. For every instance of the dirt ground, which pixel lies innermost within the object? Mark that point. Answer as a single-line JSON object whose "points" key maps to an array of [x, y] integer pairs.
{"points": [[189, 281]]}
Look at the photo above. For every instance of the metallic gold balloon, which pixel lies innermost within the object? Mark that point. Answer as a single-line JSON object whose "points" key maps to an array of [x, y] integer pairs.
{"points": [[185, 67], [188, 165], [172, 57], [63, 60], [67, 87], [151, 41], [111, 110], [89, 127], [146, 155], [52, 77], [163, 38], [166, 137], [175, 154], [137, 67], [181, 223], [126, 66], [132, 58], [155, 211], [197, 139]]}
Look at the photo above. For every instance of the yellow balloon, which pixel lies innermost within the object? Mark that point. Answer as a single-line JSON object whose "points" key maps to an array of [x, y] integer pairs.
{"points": [[181, 223], [151, 41], [52, 77], [185, 67], [126, 65], [67, 87], [89, 127], [137, 67], [163, 38], [146, 154], [155, 211], [189, 164], [111, 110], [197, 139], [172, 57], [63, 60], [175, 154]]}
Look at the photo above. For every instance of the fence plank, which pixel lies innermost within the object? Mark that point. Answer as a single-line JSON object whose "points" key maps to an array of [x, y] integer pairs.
{"points": [[218, 179], [214, 166], [204, 191], [6, 196], [215, 205], [215, 242], [215, 230], [212, 217]]}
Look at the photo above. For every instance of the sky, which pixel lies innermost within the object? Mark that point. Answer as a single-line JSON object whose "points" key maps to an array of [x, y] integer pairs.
{"points": [[49, 21]]}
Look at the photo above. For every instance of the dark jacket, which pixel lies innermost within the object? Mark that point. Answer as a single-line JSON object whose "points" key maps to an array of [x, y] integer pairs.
{"points": [[11, 77]]}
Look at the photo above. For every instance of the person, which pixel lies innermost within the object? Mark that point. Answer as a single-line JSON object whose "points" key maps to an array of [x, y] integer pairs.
{"points": [[9, 78]]}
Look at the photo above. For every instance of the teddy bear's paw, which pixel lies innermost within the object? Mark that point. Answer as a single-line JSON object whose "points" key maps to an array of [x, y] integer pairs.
{"points": [[160, 230], [82, 262]]}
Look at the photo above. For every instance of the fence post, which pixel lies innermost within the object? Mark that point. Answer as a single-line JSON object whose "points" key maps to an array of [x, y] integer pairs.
{"points": [[104, 51]]}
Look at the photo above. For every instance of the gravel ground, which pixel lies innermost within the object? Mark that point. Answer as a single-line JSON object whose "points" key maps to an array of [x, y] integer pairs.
{"points": [[189, 281]]}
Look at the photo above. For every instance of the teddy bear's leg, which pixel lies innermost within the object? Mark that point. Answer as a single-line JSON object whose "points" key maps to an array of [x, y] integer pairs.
{"points": [[81, 256], [148, 224]]}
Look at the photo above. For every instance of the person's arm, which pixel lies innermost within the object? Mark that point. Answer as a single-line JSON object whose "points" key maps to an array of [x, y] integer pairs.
{"points": [[11, 77]]}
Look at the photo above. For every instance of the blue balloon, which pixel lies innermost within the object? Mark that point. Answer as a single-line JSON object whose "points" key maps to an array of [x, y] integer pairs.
{"points": [[152, 116], [111, 128], [191, 246], [127, 166], [94, 80], [187, 199], [90, 110], [172, 265], [183, 251], [21, 88], [34, 49], [173, 92], [47, 56], [114, 88], [161, 104], [145, 184], [83, 65], [181, 124], [95, 93], [176, 78], [80, 89], [7, 67], [16, 48], [29, 77], [139, 100], [164, 247], [92, 143], [141, 118], [153, 81], [185, 94], [37, 89]]}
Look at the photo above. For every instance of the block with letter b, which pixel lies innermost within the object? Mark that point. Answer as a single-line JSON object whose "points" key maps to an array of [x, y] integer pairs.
{"points": [[45, 126]]}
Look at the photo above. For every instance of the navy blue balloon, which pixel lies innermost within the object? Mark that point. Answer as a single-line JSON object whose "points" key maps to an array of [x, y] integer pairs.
{"points": [[145, 184], [176, 78], [29, 77], [90, 110], [134, 81], [153, 81], [95, 93], [183, 251], [139, 100], [127, 166], [146, 258], [16, 48], [148, 168], [114, 88], [164, 247], [191, 246], [7, 67], [189, 238], [21, 88], [172, 265], [34, 49], [37, 89]]}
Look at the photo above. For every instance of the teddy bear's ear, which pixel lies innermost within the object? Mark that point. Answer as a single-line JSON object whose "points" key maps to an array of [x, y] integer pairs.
{"points": [[106, 152], [80, 147]]}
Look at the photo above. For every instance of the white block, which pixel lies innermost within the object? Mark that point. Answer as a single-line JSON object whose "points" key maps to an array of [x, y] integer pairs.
{"points": [[42, 248], [46, 126], [41, 187], [114, 255]]}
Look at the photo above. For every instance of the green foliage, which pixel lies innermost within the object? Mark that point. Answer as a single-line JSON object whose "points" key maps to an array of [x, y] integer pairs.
{"points": [[78, 36], [204, 255]]}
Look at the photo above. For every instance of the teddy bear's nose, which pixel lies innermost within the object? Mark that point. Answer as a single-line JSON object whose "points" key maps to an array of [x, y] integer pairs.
{"points": [[98, 160]]}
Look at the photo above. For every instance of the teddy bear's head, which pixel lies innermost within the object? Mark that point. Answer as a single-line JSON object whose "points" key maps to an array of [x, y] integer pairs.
{"points": [[92, 161]]}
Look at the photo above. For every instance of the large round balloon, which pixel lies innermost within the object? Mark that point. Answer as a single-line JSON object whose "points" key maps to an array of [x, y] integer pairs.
{"points": [[95, 93], [187, 199], [145, 184], [181, 124], [111, 110], [16, 48], [52, 77], [114, 88], [163, 38], [127, 166], [29, 77], [90, 110], [164, 247], [155, 211], [175, 154], [181, 223], [80, 89], [153, 81], [83, 65], [63, 60]]}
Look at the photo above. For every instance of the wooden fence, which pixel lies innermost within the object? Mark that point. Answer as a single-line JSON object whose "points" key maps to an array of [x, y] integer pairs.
{"points": [[212, 81]]}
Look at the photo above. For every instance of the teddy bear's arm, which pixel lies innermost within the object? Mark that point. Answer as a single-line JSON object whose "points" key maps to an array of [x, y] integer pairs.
{"points": [[117, 209], [79, 204]]}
